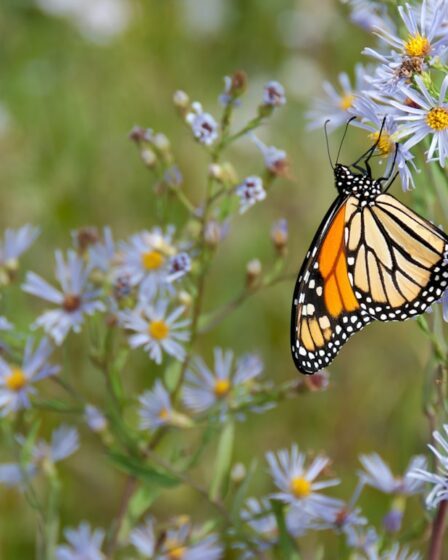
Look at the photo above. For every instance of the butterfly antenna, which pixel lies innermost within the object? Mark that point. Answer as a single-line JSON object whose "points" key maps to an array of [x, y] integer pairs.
{"points": [[343, 138], [326, 141]]}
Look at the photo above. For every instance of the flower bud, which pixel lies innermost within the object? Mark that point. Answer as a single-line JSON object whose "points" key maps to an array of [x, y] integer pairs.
{"points": [[148, 156], [212, 233], [185, 299], [253, 272], [238, 473], [162, 142], [279, 236], [181, 100]]}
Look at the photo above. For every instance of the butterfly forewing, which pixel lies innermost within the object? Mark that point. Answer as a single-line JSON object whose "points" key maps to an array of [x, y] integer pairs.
{"points": [[372, 258]]}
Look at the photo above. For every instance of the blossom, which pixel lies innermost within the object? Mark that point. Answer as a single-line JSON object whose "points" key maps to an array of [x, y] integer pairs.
{"points": [[103, 254], [157, 330], [369, 14], [439, 479], [155, 407], [95, 419], [83, 544], [16, 382], [205, 388], [374, 118], [397, 553], [250, 191], [337, 106], [297, 484], [279, 234], [378, 475], [63, 443], [183, 543], [425, 116], [74, 301], [15, 243], [178, 266], [274, 94], [363, 539], [275, 160], [143, 538], [203, 125]]}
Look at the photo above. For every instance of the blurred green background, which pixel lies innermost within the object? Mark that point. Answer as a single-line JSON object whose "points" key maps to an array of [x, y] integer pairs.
{"points": [[73, 83]]}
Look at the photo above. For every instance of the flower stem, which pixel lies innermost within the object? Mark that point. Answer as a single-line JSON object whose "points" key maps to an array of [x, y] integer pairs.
{"points": [[438, 529]]}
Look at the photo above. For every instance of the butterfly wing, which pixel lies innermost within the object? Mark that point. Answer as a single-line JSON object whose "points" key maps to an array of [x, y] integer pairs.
{"points": [[395, 258], [325, 310]]}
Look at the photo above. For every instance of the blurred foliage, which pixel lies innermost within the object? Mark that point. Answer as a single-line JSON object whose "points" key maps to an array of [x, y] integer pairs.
{"points": [[66, 161]]}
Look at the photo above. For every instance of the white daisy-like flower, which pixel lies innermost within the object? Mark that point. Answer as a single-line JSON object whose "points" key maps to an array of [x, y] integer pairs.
{"points": [[143, 538], [74, 301], [250, 191], [226, 382], [425, 116], [17, 382], [156, 330], [155, 407], [184, 543], [258, 515], [296, 482], [203, 125], [16, 242], [103, 254], [83, 544], [337, 106], [374, 118], [378, 475]]}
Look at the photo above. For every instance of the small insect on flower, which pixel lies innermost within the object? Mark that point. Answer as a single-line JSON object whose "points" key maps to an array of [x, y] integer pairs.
{"points": [[426, 117], [439, 479], [378, 475], [157, 330], [274, 94], [203, 125], [297, 483], [16, 382], [83, 543], [205, 388], [75, 300], [250, 191]]}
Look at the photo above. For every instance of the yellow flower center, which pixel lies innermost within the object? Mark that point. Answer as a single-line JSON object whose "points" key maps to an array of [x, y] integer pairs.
{"points": [[417, 45], [16, 380], [164, 414], [346, 101], [158, 329], [152, 260], [222, 387], [437, 118], [385, 145], [300, 487], [175, 550]]}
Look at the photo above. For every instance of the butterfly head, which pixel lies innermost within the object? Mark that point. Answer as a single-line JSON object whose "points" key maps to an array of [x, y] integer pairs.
{"points": [[343, 178]]}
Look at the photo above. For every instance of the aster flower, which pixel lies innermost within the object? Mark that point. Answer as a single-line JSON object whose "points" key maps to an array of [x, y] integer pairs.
{"points": [[439, 479], [397, 553], [143, 538], [426, 116], [371, 118], [5, 325], [297, 483], [74, 301], [274, 94], [203, 125], [103, 254], [95, 419], [370, 14], [146, 257], [179, 265], [16, 382], [250, 191], [378, 475], [157, 330], [183, 543], [15, 243], [259, 517], [155, 407], [336, 107], [63, 443], [364, 540], [227, 382], [275, 160], [83, 544], [228, 97]]}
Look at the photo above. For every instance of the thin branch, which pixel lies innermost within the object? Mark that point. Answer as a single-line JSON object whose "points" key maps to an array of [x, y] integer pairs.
{"points": [[438, 529]]}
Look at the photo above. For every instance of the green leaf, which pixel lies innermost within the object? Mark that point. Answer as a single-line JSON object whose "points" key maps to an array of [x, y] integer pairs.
{"points": [[143, 498], [223, 461], [171, 375], [142, 471]]}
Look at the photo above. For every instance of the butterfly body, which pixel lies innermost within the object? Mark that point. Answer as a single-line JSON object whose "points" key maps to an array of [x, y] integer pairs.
{"points": [[372, 258]]}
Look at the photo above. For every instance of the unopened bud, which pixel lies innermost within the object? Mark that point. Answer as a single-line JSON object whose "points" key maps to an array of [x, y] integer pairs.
{"points": [[279, 236], [161, 142], [239, 83], [213, 233], [137, 134], [238, 473], [148, 156], [85, 237], [317, 382], [253, 272], [185, 299], [215, 171], [181, 101]]}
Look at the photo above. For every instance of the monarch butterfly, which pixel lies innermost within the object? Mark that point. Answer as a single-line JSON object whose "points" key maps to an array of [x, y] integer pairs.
{"points": [[372, 258]]}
